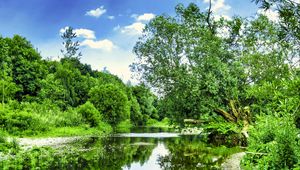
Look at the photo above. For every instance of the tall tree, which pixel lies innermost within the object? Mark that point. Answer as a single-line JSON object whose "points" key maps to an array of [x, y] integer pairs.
{"points": [[188, 62], [27, 67], [289, 19], [112, 102], [71, 46]]}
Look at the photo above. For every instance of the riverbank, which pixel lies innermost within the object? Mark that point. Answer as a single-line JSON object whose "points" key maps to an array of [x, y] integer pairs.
{"points": [[233, 162], [55, 142], [94, 151]]}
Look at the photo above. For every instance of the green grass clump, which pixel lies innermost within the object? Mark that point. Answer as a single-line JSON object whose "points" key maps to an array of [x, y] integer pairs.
{"points": [[273, 144], [124, 126], [165, 123]]}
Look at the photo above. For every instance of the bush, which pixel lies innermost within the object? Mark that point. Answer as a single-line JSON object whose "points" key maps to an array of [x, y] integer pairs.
{"points": [[89, 114], [111, 101], [124, 126], [21, 121], [2, 138], [32, 118], [135, 113], [104, 127], [274, 143], [151, 122], [69, 118]]}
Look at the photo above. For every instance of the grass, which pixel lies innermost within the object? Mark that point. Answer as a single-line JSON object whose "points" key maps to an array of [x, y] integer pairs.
{"points": [[165, 123], [102, 129], [124, 126]]}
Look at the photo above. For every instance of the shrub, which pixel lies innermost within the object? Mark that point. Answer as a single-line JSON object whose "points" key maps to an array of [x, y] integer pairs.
{"points": [[111, 101], [2, 137], [273, 142], [70, 117], [104, 127], [89, 114], [151, 122], [124, 126], [135, 113]]}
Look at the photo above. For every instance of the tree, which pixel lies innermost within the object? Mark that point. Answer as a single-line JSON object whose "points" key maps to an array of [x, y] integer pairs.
{"points": [[8, 87], [136, 116], [189, 63], [69, 76], [111, 101], [90, 114], [27, 67], [145, 100], [289, 19], [71, 47], [52, 89]]}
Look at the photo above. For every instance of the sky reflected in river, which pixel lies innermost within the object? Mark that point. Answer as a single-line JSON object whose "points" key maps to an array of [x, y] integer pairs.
{"points": [[151, 164]]}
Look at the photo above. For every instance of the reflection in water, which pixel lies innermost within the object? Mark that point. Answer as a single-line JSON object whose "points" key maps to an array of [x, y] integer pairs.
{"points": [[133, 152], [149, 135], [151, 164]]}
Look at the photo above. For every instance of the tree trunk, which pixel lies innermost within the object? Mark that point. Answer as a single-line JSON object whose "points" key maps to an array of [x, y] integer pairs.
{"points": [[236, 115]]}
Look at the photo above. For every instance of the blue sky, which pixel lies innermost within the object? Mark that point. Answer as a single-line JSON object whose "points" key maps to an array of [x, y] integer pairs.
{"points": [[107, 29]]}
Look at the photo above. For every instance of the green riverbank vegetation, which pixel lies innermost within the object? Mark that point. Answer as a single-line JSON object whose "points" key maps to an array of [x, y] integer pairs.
{"points": [[237, 78], [64, 98]]}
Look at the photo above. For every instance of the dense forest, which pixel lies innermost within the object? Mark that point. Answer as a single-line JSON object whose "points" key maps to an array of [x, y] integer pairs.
{"points": [[39, 94], [238, 79]]}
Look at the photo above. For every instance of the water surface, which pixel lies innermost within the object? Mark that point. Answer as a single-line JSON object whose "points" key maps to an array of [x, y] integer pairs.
{"points": [[159, 149], [141, 149]]}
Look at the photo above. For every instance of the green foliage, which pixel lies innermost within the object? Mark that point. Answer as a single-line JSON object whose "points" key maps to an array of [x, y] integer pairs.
{"points": [[27, 67], [135, 112], [281, 97], [273, 143], [53, 90], [112, 102], [33, 118], [89, 114], [71, 47], [189, 64], [36, 158], [2, 137], [224, 128], [8, 146], [165, 123], [124, 126], [191, 151], [145, 100], [68, 76], [82, 130]]}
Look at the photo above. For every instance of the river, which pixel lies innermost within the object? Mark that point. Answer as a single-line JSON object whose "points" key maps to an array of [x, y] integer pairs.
{"points": [[141, 149], [156, 149]]}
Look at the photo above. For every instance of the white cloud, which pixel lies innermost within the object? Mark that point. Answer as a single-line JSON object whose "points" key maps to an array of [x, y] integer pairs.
{"points": [[136, 28], [96, 12], [145, 17], [218, 5], [90, 39], [116, 28], [117, 61], [272, 15], [219, 9], [85, 33], [63, 30], [111, 17], [134, 16], [81, 32], [218, 17], [133, 29], [105, 44]]}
